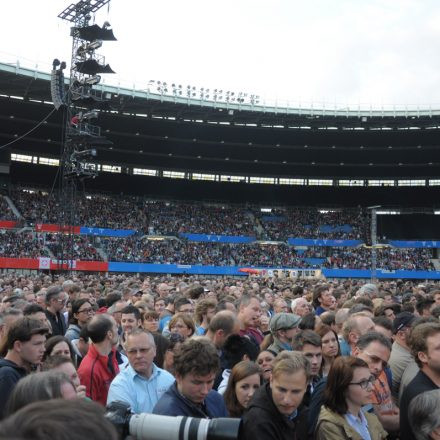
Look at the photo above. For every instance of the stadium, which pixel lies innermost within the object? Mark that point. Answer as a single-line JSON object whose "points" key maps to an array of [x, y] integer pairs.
{"points": [[194, 262], [218, 185]]}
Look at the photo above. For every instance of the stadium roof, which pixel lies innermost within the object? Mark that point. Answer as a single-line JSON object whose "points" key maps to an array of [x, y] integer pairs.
{"points": [[154, 131]]}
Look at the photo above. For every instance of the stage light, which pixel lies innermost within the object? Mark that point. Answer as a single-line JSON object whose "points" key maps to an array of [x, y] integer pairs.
{"points": [[94, 32]]}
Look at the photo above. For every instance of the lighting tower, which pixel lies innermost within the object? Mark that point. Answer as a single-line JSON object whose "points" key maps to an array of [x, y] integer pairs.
{"points": [[80, 104]]}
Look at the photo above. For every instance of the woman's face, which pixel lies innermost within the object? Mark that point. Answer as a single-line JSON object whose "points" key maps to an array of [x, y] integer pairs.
{"points": [[181, 328], [245, 389], [356, 394], [329, 345], [61, 349], [264, 361], [151, 324]]}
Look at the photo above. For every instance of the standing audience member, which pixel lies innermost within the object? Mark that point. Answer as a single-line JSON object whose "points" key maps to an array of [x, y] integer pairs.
{"points": [[195, 365], [244, 380], [349, 386], [40, 386], [283, 328], [140, 384], [275, 411], [25, 349], [100, 365], [56, 300], [330, 348], [425, 347], [81, 314], [423, 415]]}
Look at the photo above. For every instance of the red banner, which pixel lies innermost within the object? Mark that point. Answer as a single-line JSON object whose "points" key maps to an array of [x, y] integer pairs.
{"points": [[7, 224], [43, 263], [46, 227]]}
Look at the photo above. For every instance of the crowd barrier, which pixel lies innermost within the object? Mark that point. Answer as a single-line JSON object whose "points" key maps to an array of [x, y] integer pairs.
{"points": [[44, 263]]}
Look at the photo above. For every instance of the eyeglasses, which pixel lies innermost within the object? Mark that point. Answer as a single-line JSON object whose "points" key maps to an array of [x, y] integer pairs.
{"points": [[62, 300], [364, 384], [89, 311]]}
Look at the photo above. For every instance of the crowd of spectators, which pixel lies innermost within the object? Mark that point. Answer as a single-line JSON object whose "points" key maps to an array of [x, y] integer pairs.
{"points": [[5, 211], [173, 251], [386, 258], [84, 248], [292, 358], [167, 251], [21, 245], [174, 218], [309, 223]]}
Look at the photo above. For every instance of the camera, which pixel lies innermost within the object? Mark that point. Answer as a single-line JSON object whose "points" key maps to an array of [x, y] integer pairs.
{"points": [[154, 427]]}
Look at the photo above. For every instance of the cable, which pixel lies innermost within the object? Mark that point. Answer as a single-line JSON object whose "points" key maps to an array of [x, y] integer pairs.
{"points": [[30, 131]]}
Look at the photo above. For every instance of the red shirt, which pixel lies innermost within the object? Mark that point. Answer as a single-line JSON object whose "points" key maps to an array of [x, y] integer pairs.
{"points": [[95, 374]]}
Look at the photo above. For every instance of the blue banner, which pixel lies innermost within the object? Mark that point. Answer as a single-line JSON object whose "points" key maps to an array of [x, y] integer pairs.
{"points": [[322, 242], [235, 271], [273, 218], [174, 268], [218, 238], [107, 232], [415, 244], [314, 261]]}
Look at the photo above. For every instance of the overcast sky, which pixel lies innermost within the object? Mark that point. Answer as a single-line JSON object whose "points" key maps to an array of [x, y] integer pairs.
{"points": [[377, 52]]}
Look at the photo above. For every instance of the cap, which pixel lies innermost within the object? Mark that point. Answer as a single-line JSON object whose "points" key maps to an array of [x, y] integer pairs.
{"points": [[402, 320], [284, 321]]}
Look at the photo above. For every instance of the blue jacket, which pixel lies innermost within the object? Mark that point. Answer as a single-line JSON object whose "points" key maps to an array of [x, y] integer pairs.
{"points": [[172, 403]]}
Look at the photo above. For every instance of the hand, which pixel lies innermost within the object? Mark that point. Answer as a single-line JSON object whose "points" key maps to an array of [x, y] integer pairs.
{"points": [[81, 391]]}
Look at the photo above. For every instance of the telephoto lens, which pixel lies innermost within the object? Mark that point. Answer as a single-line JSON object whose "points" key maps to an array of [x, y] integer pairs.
{"points": [[153, 427]]}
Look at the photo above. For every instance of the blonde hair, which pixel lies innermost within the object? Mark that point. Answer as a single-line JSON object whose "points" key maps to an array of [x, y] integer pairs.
{"points": [[290, 362]]}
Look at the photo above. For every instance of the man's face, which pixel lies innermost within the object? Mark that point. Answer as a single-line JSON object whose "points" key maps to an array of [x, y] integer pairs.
{"points": [[432, 356], [59, 302], [268, 297], [437, 299], [314, 355], [301, 308], [185, 308], [280, 306], [129, 322], [30, 297], [159, 306], [326, 298], [389, 313], [375, 355], [288, 391], [141, 352], [251, 313], [387, 300], [195, 387], [364, 325], [31, 351]]}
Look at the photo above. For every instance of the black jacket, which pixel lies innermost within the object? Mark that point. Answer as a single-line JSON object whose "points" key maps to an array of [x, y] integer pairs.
{"points": [[57, 322], [10, 374], [263, 421]]}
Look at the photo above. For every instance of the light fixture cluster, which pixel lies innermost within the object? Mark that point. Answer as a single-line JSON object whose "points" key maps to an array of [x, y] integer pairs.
{"points": [[202, 93]]}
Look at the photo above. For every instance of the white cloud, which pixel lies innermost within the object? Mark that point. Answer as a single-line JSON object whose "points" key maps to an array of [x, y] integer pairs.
{"points": [[343, 51]]}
